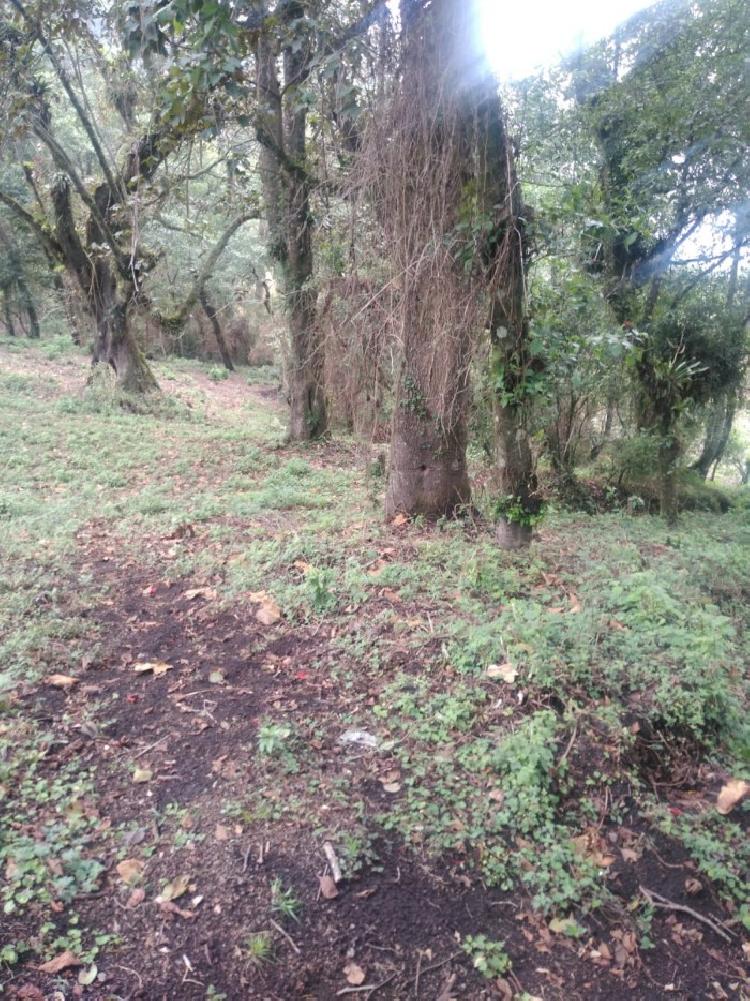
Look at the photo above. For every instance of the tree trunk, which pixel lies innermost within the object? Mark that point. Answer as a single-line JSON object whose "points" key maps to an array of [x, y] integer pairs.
{"points": [[718, 430], [212, 315], [116, 344], [27, 304], [669, 454], [7, 315], [428, 472], [509, 332], [282, 132]]}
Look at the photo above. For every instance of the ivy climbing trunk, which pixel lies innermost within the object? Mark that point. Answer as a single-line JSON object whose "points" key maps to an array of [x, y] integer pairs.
{"points": [[510, 357]]}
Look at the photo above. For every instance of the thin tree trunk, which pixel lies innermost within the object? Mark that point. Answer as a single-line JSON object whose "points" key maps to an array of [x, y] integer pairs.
{"points": [[213, 317], [509, 332], [7, 315], [27, 304], [282, 132]]}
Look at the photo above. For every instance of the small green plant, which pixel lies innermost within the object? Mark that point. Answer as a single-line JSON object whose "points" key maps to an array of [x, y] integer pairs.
{"points": [[512, 509], [284, 901], [273, 739], [217, 373], [488, 957], [259, 948], [318, 584]]}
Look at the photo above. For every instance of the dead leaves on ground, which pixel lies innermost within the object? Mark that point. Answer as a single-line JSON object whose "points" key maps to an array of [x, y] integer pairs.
{"points": [[732, 795], [155, 667], [269, 613]]}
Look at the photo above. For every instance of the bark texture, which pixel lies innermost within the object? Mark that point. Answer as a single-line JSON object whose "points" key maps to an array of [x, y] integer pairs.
{"points": [[286, 184]]}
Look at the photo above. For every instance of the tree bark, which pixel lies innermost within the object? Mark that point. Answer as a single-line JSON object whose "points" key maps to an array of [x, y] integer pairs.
{"points": [[27, 304], [509, 331], [213, 317], [282, 132], [7, 315]]}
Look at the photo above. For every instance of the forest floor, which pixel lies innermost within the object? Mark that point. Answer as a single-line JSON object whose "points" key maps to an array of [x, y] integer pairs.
{"points": [[222, 675]]}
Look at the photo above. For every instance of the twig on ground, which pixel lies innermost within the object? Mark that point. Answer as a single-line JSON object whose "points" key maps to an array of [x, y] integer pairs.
{"points": [[443, 962], [147, 749], [658, 901], [246, 857], [286, 935], [368, 989], [333, 861]]}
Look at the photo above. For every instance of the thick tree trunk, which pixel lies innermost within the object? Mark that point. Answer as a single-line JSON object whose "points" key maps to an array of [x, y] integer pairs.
{"points": [[428, 472], [116, 344], [213, 317]]}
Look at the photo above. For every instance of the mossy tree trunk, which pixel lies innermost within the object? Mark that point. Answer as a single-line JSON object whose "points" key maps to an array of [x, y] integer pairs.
{"points": [[286, 184]]}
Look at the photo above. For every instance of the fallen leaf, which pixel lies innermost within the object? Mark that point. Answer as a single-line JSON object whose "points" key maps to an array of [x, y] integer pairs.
{"points": [[693, 886], [129, 871], [170, 908], [506, 672], [136, 898], [60, 681], [268, 613], [207, 593], [174, 889], [630, 854], [328, 887], [29, 993], [391, 787], [731, 794], [141, 775], [565, 926], [222, 833], [62, 962], [87, 977], [155, 667], [216, 678], [354, 974]]}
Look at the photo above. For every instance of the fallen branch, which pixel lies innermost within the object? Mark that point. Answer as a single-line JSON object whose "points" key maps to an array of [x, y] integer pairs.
{"points": [[365, 988], [286, 935], [658, 901]]}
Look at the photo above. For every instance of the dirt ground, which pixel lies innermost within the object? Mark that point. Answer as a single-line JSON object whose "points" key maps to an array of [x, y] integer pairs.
{"points": [[198, 812]]}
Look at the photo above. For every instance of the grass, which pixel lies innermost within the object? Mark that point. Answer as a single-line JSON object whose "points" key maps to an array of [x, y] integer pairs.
{"points": [[623, 637]]}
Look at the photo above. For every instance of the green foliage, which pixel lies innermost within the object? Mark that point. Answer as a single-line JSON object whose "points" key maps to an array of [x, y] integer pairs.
{"points": [[488, 957], [284, 901]]}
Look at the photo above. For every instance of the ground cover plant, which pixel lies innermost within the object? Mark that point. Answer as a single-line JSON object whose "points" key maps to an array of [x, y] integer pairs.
{"points": [[257, 742]]}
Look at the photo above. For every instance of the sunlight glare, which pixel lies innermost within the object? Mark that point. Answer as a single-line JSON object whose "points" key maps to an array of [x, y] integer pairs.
{"points": [[523, 37]]}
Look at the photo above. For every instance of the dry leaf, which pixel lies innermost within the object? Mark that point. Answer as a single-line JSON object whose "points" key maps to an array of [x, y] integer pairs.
{"points": [[141, 775], [60, 681], [400, 520], [222, 833], [216, 678], [174, 889], [129, 871], [157, 667], [136, 898], [86, 977], [328, 887], [391, 787], [731, 794], [170, 908], [354, 974], [506, 672], [693, 886], [200, 592], [268, 613], [62, 962]]}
